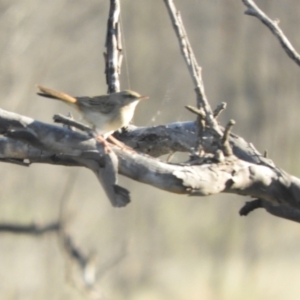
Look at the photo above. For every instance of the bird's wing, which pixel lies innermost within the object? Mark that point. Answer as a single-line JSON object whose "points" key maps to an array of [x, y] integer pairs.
{"points": [[98, 103]]}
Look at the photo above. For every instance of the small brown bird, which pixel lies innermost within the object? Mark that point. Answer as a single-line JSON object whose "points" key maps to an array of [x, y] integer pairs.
{"points": [[106, 113]]}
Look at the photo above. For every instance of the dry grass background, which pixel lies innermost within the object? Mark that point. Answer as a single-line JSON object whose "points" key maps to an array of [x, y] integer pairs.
{"points": [[165, 246]]}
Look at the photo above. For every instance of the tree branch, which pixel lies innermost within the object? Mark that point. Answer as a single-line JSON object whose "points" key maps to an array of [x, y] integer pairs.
{"points": [[229, 164], [255, 11], [204, 177], [113, 56], [33, 229], [192, 65]]}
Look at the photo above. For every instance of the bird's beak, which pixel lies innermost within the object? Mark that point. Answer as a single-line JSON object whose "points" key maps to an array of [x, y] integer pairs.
{"points": [[143, 97]]}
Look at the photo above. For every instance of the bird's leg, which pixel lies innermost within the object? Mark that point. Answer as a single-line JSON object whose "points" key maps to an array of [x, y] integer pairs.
{"points": [[102, 140], [116, 142], [113, 141]]}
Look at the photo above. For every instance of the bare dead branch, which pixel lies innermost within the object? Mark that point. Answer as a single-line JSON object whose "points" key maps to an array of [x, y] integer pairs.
{"points": [[113, 56], [70, 122], [250, 206], [281, 211], [225, 174], [254, 10], [225, 139], [199, 149], [156, 141], [108, 177], [198, 111], [191, 62], [32, 229], [219, 109], [231, 175]]}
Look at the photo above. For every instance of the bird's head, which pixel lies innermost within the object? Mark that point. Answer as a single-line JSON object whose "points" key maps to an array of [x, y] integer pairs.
{"points": [[129, 96]]}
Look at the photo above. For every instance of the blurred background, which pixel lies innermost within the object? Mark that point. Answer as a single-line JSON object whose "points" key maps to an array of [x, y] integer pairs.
{"points": [[161, 246]]}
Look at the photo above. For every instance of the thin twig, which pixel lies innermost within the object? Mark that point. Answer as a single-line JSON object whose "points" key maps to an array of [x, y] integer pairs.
{"points": [[201, 124], [218, 110], [198, 111], [254, 10], [225, 140], [70, 122], [249, 206], [33, 229], [191, 62]]}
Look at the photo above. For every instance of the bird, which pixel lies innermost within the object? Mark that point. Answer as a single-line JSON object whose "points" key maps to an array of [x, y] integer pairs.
{"points": [[105, 113]]}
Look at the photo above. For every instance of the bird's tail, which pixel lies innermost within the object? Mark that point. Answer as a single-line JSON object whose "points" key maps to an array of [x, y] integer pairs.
{"points": [[49, 93]]}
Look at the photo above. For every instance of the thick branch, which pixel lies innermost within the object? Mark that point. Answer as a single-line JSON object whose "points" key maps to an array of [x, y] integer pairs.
{"points": [[206, 177]]}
